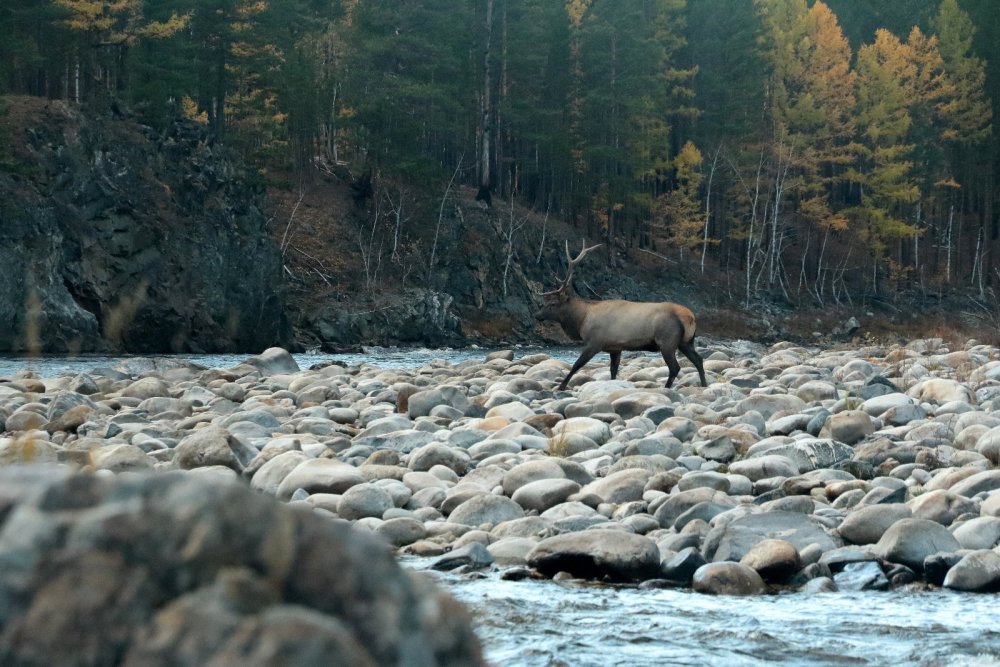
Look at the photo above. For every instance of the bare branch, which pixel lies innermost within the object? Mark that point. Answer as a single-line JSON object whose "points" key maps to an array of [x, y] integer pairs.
{"points": [[286, 237]]}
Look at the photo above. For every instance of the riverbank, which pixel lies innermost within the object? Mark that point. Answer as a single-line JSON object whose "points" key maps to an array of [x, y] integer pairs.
{"points": [[797, 468]]}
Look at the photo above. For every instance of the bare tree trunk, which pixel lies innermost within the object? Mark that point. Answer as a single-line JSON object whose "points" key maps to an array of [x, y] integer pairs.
{"points": [[508, 232], [286, 238], [485, 130], [545, 220], [818, 288], [708, 208], [951, 223], [437, 229]]}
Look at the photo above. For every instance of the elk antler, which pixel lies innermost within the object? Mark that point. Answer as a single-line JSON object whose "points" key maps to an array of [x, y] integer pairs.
{"points": [[571, 263]]}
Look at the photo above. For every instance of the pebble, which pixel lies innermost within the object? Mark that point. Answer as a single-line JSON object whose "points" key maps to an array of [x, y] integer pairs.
{"points": [[790, 451]]}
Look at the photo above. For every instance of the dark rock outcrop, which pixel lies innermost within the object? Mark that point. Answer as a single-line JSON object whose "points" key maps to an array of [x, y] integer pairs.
{"points": [[114, 236]]}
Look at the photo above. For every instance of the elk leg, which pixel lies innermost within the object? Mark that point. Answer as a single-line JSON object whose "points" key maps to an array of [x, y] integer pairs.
{"points": [[585, 356], [675, 368], [688, 350], [616, 358]]}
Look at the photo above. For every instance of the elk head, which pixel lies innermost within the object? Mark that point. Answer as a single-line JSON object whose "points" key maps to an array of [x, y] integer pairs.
{"points": [[554, 301]]}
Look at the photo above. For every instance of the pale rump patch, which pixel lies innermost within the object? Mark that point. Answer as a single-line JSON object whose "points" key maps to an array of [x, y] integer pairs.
{"points": [[687, 319]]}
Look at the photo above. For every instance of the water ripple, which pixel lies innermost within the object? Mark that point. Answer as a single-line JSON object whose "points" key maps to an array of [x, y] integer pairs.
{"points": [[536, 624]]}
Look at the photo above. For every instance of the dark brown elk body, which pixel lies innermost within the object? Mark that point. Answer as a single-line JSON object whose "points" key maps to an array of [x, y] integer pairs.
{"points": [[616, 326]]}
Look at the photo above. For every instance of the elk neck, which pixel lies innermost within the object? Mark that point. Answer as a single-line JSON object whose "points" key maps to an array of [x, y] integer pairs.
{"points": [[571, 316]]}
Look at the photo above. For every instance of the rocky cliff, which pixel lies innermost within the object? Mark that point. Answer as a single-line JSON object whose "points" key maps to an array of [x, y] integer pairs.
{"points": [[117, 237]]}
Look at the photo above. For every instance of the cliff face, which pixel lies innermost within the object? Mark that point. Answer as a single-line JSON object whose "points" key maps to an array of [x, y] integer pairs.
{"points": [[117, 237]]}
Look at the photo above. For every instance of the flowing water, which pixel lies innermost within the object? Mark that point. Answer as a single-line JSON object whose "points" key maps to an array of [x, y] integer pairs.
{"points": [[544, 623], [388, 357]]}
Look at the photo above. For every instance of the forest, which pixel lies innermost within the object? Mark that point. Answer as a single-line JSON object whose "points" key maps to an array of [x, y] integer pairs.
{"points": [[821, 153]]}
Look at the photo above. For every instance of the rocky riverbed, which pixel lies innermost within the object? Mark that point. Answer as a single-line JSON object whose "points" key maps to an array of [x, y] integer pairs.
{"points": [[795, 469]]}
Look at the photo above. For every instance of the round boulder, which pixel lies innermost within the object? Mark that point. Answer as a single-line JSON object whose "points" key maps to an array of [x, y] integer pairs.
{"points": [[867, 524], [364, 500], [543, 494], [598, 554], [773, 559], [727, 579], [486, 508], [910, 541], [978, 571]]}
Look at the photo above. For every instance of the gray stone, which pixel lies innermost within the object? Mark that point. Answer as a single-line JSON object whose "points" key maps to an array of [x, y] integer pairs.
{"points": [[472, 556], [364, 500], [682, 565], [734, 539], [941, 506], [774, 560], [620, 487], [436, 453], [602, 554], [978, 571], [286, 587], [486, 509], [120, 458], [910, 541], [765, 466], [848, 427], [727, 579], [866, 525], [543, 494], [210, 446], [980, 533], [274, 361], [320, 476], [861, 576]]}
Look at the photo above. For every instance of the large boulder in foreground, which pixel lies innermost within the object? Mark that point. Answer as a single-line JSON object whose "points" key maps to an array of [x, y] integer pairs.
{"points": [[173, 569], [598, 554]]}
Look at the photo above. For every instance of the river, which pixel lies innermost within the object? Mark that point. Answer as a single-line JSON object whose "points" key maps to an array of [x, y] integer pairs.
{"points": [[544, 623]]}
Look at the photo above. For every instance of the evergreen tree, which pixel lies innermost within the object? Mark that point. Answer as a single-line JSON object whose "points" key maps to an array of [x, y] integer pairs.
{"points": [[886, 73], [630, 87], [409, 81]]}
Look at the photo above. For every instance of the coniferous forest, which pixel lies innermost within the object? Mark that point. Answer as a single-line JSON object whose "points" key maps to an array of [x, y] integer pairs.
{"points": [[815, 151]]}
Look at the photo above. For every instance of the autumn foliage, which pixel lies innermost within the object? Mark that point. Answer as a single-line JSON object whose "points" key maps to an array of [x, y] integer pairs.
{"points": [[804, 150]]}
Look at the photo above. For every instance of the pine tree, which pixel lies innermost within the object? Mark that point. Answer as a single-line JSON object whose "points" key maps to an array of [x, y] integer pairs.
{"points": [[677, 219], [970, 111], [886, 75], [410, 83], [630, 88]]}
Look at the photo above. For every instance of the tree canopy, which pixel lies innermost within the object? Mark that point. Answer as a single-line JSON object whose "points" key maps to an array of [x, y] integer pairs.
{"points": [[813, 149]]}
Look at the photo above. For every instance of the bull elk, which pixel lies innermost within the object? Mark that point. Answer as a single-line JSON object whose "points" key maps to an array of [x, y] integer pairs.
{"points": [[615, 326]]}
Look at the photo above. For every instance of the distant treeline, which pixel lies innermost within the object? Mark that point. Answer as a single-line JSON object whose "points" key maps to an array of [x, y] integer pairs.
{"points": [[820, 151]]}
